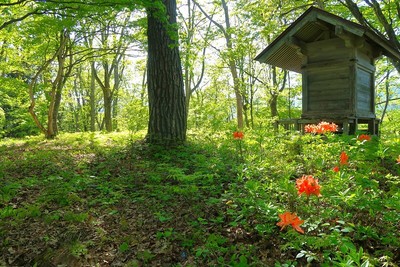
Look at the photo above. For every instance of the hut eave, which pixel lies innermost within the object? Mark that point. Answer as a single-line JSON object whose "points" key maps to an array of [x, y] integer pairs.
{"points": [[286, 50]]}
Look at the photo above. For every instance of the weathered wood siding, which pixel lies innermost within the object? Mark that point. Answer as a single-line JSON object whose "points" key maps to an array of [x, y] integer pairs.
{"points": [[330, 50], [327, 80], [328, 90], [338, 81], [364, 93]]}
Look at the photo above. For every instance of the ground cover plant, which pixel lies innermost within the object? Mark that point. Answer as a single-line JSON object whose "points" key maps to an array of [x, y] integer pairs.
{"points": [[228, 198]]}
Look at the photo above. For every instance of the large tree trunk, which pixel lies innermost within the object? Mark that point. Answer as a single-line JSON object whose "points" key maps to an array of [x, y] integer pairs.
{"points": [[167, 110]]}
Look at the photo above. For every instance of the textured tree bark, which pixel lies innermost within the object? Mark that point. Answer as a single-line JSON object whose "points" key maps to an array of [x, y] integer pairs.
{"points": [[167, 109]]}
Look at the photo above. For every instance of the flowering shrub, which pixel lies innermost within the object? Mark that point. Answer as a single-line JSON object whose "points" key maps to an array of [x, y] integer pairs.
{"points": [[238, 135], [308, 185], [288, 218], [364, 137], [321, 128]]}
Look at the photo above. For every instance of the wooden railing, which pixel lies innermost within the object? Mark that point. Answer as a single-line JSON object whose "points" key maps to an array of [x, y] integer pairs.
{"points": [[349, 125]]}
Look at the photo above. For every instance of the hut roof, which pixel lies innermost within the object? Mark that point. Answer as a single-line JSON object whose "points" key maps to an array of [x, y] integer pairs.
{"points": [[285, 51]]}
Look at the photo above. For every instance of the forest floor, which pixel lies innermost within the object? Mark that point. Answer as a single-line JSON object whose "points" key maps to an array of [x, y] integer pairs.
{"points": [[112, 200]]}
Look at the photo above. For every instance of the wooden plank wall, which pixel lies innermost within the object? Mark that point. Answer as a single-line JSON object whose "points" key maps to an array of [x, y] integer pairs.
{"points": [[327, 80], [338, 81]]}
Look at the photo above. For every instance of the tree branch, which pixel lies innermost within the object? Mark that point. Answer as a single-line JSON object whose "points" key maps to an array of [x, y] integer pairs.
{"points": [[35, 12], [210, 18], [13, 4], [382, 19]]}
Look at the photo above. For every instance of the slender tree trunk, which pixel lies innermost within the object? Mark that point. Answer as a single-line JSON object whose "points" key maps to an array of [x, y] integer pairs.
{"points": [[108, 111], [115, 91], [32, 93], [115, 111], [276, 90], [190, 85], [57, 103], [167, 110], [238, 95], [50, 134], [187, 63], [387, 95], [57, 85], [92, 99], [78, 106], [107, 95], [232, 67], [273, 103]]}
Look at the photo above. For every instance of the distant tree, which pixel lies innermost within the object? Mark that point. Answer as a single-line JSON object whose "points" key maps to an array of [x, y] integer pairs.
{"points": [[112, 65], [227, 31], [62, 60], [193, 49], [167, 109]]}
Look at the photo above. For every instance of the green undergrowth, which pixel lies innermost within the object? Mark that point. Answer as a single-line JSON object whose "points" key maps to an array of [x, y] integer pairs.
{"points": [[92, 199]]}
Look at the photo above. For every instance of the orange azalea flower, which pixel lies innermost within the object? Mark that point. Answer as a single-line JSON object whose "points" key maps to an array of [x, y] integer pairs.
{"points": [[322, 128], [308, 185], [288, 218], [238, 135], [398, 160], [326, 127], [344, 158], [336, 169], [364, 137], [309, 128]]}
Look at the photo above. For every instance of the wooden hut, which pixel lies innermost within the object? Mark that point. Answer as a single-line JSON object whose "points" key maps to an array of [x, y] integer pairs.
{"points": [[336, 59]]}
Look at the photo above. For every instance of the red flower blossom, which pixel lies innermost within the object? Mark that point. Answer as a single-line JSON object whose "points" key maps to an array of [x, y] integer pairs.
{"points": [[344, 158], [321, 128], [310, 128], [308, 185], [238, 135], [364, 137], [326, 127], [288, 218], [336, 169]]}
